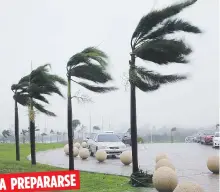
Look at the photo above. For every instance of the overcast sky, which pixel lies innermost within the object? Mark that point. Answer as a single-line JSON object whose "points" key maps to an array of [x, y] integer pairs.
{"points": [[53, 30]]}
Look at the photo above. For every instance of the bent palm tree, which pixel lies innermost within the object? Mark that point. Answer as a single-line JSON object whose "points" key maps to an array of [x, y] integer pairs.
{"points": [[31, 90], [90, 64], [150, 43]]}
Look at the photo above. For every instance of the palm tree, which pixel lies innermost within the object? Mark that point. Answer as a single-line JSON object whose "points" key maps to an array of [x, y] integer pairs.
{"points": [[32, 90], [149, 42], [89, 64], [6, 133]]}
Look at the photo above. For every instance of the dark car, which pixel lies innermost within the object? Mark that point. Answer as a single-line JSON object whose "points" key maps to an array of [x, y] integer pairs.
{"points": [[126, 139]]}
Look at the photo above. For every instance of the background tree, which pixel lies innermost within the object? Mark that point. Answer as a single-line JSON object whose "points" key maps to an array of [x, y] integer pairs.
{"points": [[58, 134], [75, 124], [89, 64], [97, 128], [33, 88], [171, 133], [51, 134], [24, 133], [150, 42], [42, 136], [6, 133]]}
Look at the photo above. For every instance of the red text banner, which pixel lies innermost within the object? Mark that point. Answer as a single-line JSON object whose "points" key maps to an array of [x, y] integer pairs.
{"points": [[40, 181]]}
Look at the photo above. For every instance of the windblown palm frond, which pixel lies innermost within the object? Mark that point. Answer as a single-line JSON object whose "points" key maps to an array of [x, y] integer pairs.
{"points": [[163, 51], [150, 43], [36, 85], [42, 109], [90, 64], [93, 73], [154, 18], [89, 56], [171, 26], [97, 89]]}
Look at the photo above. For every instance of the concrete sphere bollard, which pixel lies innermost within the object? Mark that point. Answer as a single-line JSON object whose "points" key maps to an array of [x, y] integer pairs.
{"points": [[75, 151], [165, 179], [213, 164], [161, 156], [66, 149], [126, 157], [188, 187], [84, 145], [164, 163], [84, 153], [77, 145], [101, 155]]}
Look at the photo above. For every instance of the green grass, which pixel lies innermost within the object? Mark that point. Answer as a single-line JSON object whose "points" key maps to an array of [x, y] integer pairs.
{"points": [[90, 182]]}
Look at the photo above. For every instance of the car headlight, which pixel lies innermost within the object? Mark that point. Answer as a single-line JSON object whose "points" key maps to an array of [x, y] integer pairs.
{"points": [[102, 147], [123, 146]]}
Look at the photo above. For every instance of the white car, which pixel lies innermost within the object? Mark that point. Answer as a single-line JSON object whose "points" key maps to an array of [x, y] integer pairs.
{"points": [[216, 140], [110, 142]]}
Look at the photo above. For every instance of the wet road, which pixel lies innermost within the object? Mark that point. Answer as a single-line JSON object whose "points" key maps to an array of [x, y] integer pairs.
{"points": [[188, 158]]}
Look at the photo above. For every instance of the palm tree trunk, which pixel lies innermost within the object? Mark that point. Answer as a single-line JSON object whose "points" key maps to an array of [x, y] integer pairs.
{"points": [[17, 132], [69, 126], [32, 133], [133, 119]]}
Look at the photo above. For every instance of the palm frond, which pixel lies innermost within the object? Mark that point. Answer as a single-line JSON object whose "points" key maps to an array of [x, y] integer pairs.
{"points": [[155, 78], [163, 51], [88, 56], [42, 109], [93, 51], [97, 89], [57, 79], [41, 98], [22, 99], [76, 59], [19, 87], [93, 73], [171, 26], [156, 17], [141, 84]]}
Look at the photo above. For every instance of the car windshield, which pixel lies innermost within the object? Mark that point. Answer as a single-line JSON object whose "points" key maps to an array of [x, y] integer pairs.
{"points": [[108, 138], [217, 134]]}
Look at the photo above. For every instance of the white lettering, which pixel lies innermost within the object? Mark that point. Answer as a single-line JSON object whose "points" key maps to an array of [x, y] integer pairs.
{"points": [[39, 182], [33, 181], [46, 181], [53, 182], [60, 181], [27, 182], [73, 180], [13, 183], [67, 180], [20, 183], [2, 184]]}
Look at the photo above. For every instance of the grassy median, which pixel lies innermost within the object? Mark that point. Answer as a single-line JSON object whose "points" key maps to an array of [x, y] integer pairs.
{"points": [[90, 182]]}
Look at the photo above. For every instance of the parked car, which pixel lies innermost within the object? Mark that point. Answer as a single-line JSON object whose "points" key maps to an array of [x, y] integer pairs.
{"points": [[206, 137], [216, 140], [109, 142], [126, 139], [197, 138]]}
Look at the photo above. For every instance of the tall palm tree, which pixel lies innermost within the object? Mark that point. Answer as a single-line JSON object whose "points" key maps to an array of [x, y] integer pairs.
{"points": [[149, 42], [89, 64], [32, 90]]}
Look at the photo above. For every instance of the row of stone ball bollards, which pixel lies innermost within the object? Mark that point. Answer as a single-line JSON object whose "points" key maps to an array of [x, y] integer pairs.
{"points": [[165, 177], [101, 155]]}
